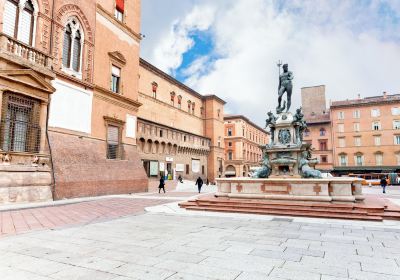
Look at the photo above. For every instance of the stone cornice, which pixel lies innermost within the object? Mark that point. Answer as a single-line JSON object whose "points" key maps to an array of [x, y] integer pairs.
{"points": [[117, 99]]}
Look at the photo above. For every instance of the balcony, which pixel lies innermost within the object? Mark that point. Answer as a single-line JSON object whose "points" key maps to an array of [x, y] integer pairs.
{"points": [[24, 54]]}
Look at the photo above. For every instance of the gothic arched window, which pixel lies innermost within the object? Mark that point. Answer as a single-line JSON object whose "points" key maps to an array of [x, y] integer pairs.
{"points": [[72, 48]]}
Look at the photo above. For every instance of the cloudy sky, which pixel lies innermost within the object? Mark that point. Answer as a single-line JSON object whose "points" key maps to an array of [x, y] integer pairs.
{"points": [[230, 47]]}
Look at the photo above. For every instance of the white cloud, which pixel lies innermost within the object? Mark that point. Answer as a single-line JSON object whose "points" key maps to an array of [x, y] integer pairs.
{"points": [[350, 47]]}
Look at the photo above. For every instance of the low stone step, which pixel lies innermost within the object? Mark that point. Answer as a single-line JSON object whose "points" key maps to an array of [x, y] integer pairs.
{"points": [[279, 202], [288, 213], [282, 207]]}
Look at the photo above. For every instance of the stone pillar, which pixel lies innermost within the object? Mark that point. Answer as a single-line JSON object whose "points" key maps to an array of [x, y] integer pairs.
{"points": [[42, 121]]}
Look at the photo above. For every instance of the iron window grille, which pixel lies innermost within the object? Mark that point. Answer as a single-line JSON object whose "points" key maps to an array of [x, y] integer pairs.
{"points": [[20, 130], [114, 145]]}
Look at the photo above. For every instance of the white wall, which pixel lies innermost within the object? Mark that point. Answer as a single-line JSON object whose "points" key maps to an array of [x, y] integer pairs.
{"points": [[71, 107], [131, 123]]}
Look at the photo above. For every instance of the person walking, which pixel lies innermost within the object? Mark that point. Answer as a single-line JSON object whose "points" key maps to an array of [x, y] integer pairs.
{"points": [[162, 185], [180, 178], [199, 183], [383, 184]]}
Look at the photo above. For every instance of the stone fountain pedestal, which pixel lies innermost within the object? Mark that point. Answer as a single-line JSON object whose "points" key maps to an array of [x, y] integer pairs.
{"points": [[325, 190]]}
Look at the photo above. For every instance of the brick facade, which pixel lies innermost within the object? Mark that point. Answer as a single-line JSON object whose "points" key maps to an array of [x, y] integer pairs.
{"points": [[243, 141]]}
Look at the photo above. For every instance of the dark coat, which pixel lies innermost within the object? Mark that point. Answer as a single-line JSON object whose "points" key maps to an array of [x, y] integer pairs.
{"points": [[199, 182], [162, 183], [383, 182]]}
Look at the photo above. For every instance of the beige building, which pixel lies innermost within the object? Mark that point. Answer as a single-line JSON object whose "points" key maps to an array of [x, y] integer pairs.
{"points": [[243, 141], [318, 132], [366, 134], [81, 59], [180, 131]]}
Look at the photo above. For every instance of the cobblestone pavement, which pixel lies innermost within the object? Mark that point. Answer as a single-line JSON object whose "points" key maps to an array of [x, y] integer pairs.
{"points": [[170, 246], [19, 221]]}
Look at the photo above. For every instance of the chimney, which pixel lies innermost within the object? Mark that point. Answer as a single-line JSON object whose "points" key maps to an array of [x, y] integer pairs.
{"points": [[384, 95]]}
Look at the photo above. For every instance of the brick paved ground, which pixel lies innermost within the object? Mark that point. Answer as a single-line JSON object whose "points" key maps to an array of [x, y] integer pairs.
{"points": [[161, 246], [20, 221]]}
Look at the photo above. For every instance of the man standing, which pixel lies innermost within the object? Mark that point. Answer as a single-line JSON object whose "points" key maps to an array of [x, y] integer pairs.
{"points": [[161, 185], [383, 184], [199, 183], [285, 85]]}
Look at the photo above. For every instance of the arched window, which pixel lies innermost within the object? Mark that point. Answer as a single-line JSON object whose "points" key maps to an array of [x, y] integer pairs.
{"points": [[322, 132], [72, 48], [67, 46], [76, 58], [307, 132], [19, 20]]}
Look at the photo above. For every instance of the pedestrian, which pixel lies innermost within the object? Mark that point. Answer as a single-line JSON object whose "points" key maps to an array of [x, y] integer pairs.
{"points": [[207, 182], [199, 183], [162, 185], [180, 179], [383, 184]]}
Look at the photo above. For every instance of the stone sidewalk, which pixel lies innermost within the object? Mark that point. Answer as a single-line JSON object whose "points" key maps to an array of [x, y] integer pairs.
{"points": [[54, 215], [164, 246]]}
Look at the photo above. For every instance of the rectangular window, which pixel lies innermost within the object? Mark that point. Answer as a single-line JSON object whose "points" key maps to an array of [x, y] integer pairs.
{"points": [[203, 170], [187, 169], [20, 130], [113, 142], [10, 18], [115, 79], [324, 159], [229, 131], [342, 142], [323, 146], [377, 140], [356, 114], [375, 113], [359, 160], [379, 159], [396, 124], [397, 139], [340, 127], [341, 115], [343, 160], [230, 144], [376, 126], [356, 127], [357, 141], [395, 111], [119, 10], [230, 156]]}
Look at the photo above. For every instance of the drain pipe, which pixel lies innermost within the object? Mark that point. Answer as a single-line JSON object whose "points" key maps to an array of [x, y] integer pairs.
{"points": [[53, 177]]}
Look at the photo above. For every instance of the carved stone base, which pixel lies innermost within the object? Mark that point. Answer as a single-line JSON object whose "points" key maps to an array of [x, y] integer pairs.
{"points": [[332, 189]]}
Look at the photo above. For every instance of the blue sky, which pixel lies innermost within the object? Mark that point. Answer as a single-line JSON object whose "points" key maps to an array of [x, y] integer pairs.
{"points": [[230, 47]]}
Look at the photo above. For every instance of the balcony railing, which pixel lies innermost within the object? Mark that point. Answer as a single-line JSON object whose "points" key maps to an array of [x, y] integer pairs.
{"points": [[25, 52]]}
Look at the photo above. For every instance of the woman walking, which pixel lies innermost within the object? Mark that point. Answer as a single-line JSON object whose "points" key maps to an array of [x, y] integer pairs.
{"points": [[162, 185]]}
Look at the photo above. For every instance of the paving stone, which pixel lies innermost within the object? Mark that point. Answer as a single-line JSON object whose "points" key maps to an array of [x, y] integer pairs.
{"points": [[241, 264], [182, 257], [277, 255], [81, 273], [362, 275], [304, 252], [143, 272], [200, 270], [321, 268], [294, 274]]}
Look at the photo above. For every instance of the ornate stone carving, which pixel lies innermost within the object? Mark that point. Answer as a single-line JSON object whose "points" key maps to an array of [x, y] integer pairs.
{"points": [[6, 159], [284, 136], [35, 160]]}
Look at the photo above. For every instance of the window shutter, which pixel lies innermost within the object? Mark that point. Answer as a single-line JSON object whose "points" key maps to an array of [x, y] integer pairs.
{"points": [[120, 5], [113, 135], [76, 59], [67, 47], [9, 18], [25, 27]]}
